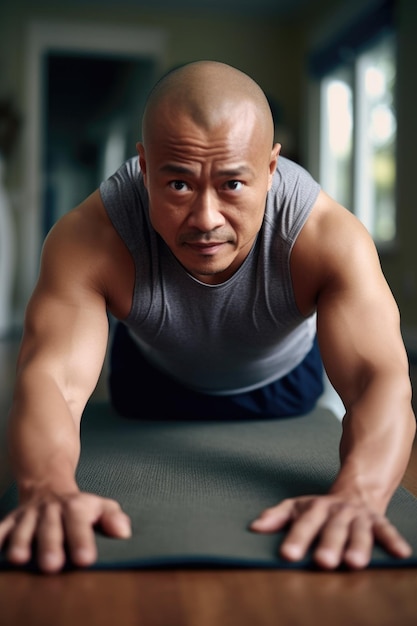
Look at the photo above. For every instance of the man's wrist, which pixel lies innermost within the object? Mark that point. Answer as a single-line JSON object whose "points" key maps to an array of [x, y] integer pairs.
{"points": [[36, 487], [362, 490]]}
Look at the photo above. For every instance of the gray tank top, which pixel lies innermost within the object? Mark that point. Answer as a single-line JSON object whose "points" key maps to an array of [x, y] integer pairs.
{"points": [[218, 339]]}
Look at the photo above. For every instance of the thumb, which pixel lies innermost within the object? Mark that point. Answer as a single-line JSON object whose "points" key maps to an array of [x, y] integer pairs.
{"points": [[116, 523], [272, 519]]}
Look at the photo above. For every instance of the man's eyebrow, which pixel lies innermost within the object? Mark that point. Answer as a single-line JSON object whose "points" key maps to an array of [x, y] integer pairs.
{"points": [[227, 172], [235, 172], [174, 168]]}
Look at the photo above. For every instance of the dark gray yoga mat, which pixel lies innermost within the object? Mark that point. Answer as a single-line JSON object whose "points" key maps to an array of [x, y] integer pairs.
{"points": [[192, 488]]}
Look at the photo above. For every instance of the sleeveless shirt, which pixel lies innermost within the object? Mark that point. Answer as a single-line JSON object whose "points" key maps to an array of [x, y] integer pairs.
{"points": [[219, 339]]}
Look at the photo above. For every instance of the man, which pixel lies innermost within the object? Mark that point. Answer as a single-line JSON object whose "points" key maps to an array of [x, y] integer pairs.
{"points": [[221, 258]]}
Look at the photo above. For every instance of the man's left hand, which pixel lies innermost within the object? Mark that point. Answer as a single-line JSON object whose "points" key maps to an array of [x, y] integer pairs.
{"points": [[345, 531]]}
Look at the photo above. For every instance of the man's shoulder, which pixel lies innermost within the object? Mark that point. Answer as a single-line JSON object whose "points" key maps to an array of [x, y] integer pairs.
{"points": [[291, 198], [290, 172], [85, 248], [125, 199], [126, 177], [85, 233]]}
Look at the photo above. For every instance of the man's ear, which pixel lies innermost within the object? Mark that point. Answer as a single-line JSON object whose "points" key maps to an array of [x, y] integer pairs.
{"points": [[142, 160], [273, 162]]}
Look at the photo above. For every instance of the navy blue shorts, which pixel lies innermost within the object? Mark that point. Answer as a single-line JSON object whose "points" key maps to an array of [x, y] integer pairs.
{"points": [[139, 390]]}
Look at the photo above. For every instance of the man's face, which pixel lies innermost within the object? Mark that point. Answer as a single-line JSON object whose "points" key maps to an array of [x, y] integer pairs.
{"points": [[207, 188]]}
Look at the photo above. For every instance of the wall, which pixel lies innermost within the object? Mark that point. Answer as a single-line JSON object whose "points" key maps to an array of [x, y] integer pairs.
{"points": [[401, 267], [400, 263], [265, 48]]}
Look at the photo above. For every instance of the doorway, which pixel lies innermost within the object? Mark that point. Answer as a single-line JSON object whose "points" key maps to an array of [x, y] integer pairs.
{"points": [[85, 88], [93, 107]]}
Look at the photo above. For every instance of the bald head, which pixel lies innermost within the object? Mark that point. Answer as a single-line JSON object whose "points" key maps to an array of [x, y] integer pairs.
{"points": [[209, 93]]}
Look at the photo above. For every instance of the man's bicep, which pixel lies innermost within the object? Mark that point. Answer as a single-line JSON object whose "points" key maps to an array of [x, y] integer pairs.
{"points": [[66, 325], [67, 342], [358, 323]]}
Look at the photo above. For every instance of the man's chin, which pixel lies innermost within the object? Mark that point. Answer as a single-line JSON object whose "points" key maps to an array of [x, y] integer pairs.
{"points": [[212, 275], [208, 268]]}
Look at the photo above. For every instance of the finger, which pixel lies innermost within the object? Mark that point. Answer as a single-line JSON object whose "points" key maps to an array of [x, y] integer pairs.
{"points": [[274, 518], [78, 526], [6, 526], [303, 532], [21, 537], [50, 536], [333, 539], [389, 537], [114, 522], [359, 549]]}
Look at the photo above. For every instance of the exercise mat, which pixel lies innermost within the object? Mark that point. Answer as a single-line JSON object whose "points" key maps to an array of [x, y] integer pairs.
{"points": [[192, 488]]}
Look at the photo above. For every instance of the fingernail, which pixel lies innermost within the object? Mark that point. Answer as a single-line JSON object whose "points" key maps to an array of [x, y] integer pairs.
{"points": [[83, 556], [126, 529], [292, 552], [406, 550], [255, 522], [326, 557], [17, 554], [50, 561], [356, 559]]}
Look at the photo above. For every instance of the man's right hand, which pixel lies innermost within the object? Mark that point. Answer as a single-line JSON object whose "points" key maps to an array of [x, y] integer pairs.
{"points": [[54, 521]]}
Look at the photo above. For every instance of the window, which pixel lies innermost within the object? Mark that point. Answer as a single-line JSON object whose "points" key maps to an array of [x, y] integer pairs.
{"points": [[357, 137], [356, 73], [336, 136]]}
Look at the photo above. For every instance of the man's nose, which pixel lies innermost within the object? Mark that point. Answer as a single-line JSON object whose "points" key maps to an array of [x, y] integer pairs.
{"points": [[205, 214]]}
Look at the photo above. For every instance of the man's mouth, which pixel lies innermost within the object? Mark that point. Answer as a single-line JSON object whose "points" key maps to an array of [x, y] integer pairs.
{"points": [[206, 247]]}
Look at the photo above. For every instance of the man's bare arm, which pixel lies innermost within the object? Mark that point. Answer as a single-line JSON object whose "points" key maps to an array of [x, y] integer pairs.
{"points": [[362, 349], [61, 356]]}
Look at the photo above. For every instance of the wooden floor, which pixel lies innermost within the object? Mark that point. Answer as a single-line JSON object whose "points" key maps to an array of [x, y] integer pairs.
{"points": [[204, 597], [210, 598]]}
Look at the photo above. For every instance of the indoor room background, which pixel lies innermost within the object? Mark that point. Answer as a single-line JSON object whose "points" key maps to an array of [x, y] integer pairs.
{"points": [[74, 76]]}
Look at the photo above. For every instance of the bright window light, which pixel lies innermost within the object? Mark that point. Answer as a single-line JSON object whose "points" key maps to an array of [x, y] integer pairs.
{"points": [[358, 137]]}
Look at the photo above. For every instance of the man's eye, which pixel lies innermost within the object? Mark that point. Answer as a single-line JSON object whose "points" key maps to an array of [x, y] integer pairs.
{"points": [[234, 185], [178, 185]]}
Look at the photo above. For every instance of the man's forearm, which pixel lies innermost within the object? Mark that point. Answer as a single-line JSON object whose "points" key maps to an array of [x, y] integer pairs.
{"points": [[55, 520], [378, 432], [43, 437]]}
